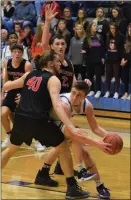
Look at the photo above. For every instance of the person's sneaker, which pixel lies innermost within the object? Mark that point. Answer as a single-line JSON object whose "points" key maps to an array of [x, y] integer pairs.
{"points": [[103, 191], [91, 93], [45, 180], [38, 147], [58, 169], [107, 94], [98, 94], [116, 95], [6, 141], [75, 192], [129, 97], [83, 175], [124, 96]]}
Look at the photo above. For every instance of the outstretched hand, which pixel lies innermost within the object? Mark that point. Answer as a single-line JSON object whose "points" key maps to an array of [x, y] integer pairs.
{"points": [[49, 12]]}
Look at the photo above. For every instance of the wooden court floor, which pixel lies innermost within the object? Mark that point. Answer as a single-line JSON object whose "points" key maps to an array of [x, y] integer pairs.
{"points": [[20, 172]]}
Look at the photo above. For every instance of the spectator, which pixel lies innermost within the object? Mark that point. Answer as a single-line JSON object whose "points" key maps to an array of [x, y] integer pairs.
{"points": [[25, 12], [8, 11], [63, 31], [6, 52], [75, 51], [115, 48], [4, 38], [82, 19], [93, 48], [116, 16], [101, 22], [126, 9], [69, 21], [126, 64], [19, 31]]}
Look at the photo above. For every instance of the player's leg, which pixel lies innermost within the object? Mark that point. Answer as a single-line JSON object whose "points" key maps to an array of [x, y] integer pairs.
{"points": [[5, 120], [82, 173], [91, 166], [7, 154]]}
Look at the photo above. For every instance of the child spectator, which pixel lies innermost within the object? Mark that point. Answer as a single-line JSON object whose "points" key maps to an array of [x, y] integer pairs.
{"points": [[19, 31]]}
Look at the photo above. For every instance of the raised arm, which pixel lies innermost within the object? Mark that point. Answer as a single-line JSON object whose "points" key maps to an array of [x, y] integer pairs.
{"points": [[49, 15]]}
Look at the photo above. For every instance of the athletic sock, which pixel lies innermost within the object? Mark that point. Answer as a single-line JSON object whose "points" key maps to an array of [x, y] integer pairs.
{"points": [[98, 183], [45, 169], [80, 166], [71, 181], [8, 133]]}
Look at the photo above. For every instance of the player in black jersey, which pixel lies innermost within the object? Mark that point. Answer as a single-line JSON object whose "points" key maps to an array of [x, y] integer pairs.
{"points": [[13, 69], [40, 90]]}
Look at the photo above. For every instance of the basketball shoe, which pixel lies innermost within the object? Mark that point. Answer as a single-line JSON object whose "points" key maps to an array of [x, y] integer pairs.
{"points": [[103, 191], [84, 175], [75, 192]]}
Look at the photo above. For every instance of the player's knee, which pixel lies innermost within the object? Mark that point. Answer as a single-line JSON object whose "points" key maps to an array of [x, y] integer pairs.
{"points": [[64, 147], [4, 113]]}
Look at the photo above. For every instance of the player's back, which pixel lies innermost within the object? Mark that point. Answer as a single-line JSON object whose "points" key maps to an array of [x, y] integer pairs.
{"points": [[35, 98]]}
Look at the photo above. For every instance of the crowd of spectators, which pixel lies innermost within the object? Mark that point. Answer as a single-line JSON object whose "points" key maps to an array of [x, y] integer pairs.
{"points": [[98, 38]]}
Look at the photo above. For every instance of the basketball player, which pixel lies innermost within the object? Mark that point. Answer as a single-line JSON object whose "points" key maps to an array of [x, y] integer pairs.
{"points": [[75, 103], [13, 69], [40, 90]]}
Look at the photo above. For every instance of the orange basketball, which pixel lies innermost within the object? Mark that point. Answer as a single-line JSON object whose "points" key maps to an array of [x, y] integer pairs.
{"points": [[116, 141]]}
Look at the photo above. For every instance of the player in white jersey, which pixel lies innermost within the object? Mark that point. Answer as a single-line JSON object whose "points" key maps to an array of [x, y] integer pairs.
{"points": [[76, 103]]}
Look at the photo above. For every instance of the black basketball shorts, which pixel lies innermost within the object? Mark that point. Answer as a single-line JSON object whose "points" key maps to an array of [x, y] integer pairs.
{"points": [[25, 129]]}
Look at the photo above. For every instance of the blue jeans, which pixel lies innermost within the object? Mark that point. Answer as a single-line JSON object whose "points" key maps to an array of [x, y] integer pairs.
{"points": [[38, 5], [8, 24]]}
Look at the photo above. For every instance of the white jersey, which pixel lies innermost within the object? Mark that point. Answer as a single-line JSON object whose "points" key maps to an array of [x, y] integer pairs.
{"points": [[81, 110]]}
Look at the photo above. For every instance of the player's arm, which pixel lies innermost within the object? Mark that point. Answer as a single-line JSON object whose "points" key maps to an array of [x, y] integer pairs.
{"points": [[49, 15], [54, 87], [92, 121], [10, 85], [28, 67], [5, 78]]}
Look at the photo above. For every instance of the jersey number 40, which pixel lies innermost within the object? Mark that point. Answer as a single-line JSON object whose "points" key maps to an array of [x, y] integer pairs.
{"points": [[34, 83]]}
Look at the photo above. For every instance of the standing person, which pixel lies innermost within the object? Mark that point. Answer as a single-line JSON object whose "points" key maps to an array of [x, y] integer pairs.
{"points": [[13, 69], [82, 19], [114, 48], [101, 22], [93, 48], [75, 51], [126, 64], [67, 14], [40, 91], [117, 17]]}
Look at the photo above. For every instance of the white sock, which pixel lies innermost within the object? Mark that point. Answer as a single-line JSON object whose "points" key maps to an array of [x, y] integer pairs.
{"points": [[80, 166], [98, 183]]}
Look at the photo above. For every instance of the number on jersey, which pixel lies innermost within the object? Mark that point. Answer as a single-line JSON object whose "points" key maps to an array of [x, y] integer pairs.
{"points": [[34, 83]]}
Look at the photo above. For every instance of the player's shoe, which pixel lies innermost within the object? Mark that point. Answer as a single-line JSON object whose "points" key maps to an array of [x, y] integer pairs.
{"points": [[38, 147], [6, 141], [75, 192], [45, 180], [84, 175], [103, 191]]}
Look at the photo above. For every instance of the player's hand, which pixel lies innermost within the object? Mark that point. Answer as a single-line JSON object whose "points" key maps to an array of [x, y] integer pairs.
{"points": [[49, 12], [17, 98], [105, 147]]}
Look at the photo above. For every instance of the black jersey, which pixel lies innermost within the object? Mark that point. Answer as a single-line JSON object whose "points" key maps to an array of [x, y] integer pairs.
{"points": [[15, 73], [66, 77], [35, 99]]}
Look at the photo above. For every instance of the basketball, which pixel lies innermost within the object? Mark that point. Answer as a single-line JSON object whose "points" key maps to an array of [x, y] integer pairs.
{"points": [[116, 141]]}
